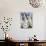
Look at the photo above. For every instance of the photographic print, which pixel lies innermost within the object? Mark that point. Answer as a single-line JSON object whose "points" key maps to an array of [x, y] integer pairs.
{"points": [[26, 20]]}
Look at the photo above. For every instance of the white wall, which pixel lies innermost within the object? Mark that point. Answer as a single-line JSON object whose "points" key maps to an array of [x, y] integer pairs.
{"points": [[45, 28], [12, 8]]}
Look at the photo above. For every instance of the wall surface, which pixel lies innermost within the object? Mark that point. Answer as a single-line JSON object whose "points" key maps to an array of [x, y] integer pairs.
{"points": [[12, 8]]}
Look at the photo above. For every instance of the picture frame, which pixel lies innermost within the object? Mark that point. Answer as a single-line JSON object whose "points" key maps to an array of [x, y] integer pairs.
{"points": [[26, 20]]}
